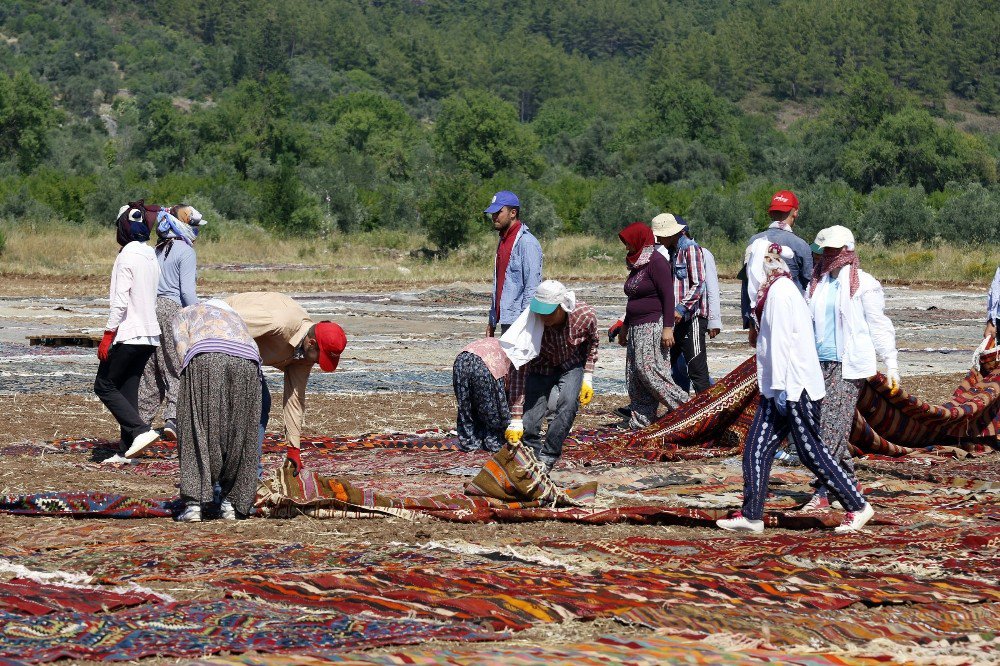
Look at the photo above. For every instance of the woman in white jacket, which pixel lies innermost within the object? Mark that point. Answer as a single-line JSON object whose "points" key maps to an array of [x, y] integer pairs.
{"points": [[791, 388], [850, 329], [132, 332]]}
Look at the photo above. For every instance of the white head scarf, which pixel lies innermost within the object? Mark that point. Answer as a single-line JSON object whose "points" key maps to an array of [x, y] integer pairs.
{"points": [[757, 272], [523, 340]]}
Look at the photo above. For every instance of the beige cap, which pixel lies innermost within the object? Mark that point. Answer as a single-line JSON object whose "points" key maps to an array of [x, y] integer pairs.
{"points": [[665, 225], [835, 236]]}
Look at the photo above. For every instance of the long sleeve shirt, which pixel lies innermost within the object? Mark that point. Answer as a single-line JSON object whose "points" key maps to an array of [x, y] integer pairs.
{"points": [[278, 324], [712, 293], [564, 347], [993, 298], [133, 294], [178, 266], [689, 279], [650, 291], [786, 353]]}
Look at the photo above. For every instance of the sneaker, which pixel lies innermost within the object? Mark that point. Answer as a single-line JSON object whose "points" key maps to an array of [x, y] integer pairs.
{"points": [[141, 443], [816, 503], [191, 514], [740, 524], [226, 510], [855, 520], [169, 431]]}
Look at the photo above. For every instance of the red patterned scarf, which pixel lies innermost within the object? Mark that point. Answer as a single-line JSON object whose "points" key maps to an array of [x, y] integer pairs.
{"points": [[829, 264]]}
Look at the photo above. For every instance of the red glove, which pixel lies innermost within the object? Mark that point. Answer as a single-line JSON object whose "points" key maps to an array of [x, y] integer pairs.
{"points": [[105, 347], [294, 459], [615, 330]]}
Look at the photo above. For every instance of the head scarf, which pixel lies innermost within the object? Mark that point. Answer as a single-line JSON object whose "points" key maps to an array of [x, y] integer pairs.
{"points": [[637, 237], [130, 225], [845, 256], [169, 227], [765, 266]]}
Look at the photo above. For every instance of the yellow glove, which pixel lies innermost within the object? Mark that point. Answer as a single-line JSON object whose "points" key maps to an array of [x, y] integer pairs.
{"points": [[892, 376], [587, 389], [515, 431]]}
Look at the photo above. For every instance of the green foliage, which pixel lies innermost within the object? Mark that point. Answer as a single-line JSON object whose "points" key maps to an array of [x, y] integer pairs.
{"points": [[970, 216], [729, 215], [451, 211], [481, 133], [825, 204], [896, 214], [615, 205], [26, 116]]}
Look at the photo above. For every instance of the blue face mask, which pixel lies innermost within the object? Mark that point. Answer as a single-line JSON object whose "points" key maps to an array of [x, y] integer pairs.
{"points": [[196, 230]]}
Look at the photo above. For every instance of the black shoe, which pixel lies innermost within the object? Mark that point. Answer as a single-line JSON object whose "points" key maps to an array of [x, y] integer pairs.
{"points": [[624, 412]]}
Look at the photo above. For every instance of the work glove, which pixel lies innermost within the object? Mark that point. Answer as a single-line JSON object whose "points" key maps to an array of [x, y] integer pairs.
{"points": [[892, 378], [104, 349], [615, 330], [587, 389], [293, 459], [515, 431], [781, 403]]}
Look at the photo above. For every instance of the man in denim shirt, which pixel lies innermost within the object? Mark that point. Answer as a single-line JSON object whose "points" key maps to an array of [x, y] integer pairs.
{"points": [[518, 267]]}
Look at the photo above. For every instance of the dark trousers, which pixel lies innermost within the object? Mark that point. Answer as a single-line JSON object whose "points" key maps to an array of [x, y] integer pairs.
{"points": [[801, 425], [689, 341], [117, 385], [536, 397]]}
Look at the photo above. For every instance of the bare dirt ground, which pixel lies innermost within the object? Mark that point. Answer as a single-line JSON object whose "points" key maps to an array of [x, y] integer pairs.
{"points": [[396, 376]]}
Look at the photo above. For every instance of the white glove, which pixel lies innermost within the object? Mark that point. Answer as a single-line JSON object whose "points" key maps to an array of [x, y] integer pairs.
{"points": [[587, 389], [515, 431], [892, 377]]}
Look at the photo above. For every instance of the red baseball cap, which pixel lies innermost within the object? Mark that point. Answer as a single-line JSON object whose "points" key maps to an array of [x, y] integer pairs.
{"points": [[332, 341], [783, 201]]}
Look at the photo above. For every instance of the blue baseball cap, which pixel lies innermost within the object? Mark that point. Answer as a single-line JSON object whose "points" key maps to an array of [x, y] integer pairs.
{"points": [[501, 199]]}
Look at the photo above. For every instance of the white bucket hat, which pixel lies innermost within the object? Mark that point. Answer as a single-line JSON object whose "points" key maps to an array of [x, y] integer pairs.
{"points": [[835, 236], [665, 224]]}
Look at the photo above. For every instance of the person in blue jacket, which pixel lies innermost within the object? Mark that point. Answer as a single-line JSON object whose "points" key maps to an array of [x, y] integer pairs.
{"points": [[518, 266]]}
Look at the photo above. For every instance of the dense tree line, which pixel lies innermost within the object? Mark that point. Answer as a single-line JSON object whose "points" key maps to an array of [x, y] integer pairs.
{"points": [[307, 116]]}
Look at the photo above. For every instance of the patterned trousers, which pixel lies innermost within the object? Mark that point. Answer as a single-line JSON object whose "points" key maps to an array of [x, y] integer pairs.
{"points": [[837, 417], [647, 375], [483, 412], [161, 378], [801, 425], [218, 413]]}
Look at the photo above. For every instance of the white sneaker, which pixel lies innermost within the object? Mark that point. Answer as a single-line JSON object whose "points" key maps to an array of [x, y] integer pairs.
{"points": [[740, 524], [226, 510], [855, 520], [191, 514], [816, 503], [141, 443]]}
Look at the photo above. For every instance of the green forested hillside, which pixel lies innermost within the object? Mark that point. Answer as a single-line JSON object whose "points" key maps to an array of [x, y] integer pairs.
{"points": [[309, 116]]}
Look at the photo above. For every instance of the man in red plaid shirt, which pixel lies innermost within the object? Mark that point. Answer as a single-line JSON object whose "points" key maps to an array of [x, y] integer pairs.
{"points": [[690, 297], [566, 360]]}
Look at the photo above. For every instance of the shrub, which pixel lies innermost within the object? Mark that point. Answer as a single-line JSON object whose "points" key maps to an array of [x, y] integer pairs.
{"points": [[826, 204], [615, 205], [897, 214], [971, 216], [729, 215], [450, 212]]}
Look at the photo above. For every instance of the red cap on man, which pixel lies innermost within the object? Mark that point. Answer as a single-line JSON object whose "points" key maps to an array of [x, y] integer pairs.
{"points": [[783, 202], [332, 341]]}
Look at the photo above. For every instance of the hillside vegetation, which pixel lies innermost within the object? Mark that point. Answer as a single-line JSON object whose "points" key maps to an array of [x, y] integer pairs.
{"points": [[315, 118]]}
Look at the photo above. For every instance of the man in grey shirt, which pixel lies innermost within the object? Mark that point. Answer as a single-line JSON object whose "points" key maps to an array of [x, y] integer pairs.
{"points": [[783, 210]]}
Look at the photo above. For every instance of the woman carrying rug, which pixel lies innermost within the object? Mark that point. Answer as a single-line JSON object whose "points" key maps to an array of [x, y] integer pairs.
{"points": [[483, 409], [850, 329], [131, 333], [648, 331], [218, 410], [791, 387], [177, 229]]}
